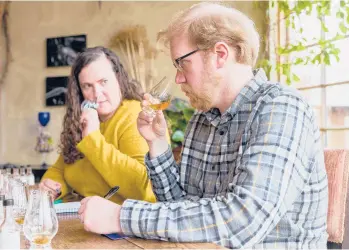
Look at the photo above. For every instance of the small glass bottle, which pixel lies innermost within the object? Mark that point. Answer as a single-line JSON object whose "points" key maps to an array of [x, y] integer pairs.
{"points": [[6, 184], [10, 235], [22, 175], [8, 172], [2, 210], [30, 176], [2, 184], [15, 173]]}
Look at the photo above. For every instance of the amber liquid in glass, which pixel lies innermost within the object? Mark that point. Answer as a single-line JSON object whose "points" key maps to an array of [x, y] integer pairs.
{"points": [[19, 220], [41, 240], [161, 105]]}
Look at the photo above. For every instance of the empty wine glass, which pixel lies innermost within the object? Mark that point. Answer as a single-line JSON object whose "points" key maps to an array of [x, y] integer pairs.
{"points": [[160, 96], [40, 222], [20, 201]]}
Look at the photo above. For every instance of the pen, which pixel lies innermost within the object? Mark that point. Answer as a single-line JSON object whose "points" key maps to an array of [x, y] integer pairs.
{"points": [[111, 192]]}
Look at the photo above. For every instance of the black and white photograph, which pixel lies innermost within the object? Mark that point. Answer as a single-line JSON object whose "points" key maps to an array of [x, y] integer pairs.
{"points": [[62, 51], [56, 89]]}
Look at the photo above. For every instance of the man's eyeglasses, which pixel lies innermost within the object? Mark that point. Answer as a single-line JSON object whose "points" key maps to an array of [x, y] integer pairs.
{"points": [[177, 62]]}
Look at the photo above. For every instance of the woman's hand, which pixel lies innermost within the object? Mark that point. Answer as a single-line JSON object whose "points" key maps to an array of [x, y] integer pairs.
{"points": [[53, 187], [89, 121]]}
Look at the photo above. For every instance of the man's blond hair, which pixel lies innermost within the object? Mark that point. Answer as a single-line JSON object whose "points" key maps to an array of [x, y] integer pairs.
{"points": [[208, 23]]}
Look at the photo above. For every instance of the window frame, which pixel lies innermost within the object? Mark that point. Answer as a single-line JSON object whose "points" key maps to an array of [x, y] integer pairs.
{"points": [[282, 36]]}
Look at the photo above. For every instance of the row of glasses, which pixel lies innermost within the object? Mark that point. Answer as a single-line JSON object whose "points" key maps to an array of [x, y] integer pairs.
{"points": [[33, 212]]}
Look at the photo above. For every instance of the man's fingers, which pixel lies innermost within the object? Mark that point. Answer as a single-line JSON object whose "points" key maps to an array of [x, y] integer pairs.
{"points": [[160, 118], [145, 103], [160, 115], [147, 97], [144, 117], [84, 200], [81, 218], [81, 209], [87, 225], [83, 205]]}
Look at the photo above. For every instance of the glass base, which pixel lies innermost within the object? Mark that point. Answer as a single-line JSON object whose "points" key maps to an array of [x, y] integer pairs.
{"points": [[34, 246]]}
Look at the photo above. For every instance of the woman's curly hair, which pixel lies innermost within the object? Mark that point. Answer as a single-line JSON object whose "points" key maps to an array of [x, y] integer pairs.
{"points": [[71, 134]]}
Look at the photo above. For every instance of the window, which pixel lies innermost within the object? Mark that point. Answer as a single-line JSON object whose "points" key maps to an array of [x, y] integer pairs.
{"points": [[326, 87]]}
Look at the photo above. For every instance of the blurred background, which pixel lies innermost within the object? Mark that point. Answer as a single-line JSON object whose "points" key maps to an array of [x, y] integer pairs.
{"points": [[303, 43]]}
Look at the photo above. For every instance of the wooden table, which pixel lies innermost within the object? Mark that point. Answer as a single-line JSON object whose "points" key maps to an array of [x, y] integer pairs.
{"points": [[71, 234]]}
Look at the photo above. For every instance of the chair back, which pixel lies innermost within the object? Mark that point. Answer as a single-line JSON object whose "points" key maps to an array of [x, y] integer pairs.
{"points": [[337, 167]]}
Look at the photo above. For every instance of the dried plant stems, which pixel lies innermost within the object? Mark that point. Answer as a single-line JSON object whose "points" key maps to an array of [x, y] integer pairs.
{"points": [[135, 51]]}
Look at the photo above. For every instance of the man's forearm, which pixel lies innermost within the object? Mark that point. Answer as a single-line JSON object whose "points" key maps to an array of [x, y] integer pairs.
{"points": [[164, 175], [207, 220]]}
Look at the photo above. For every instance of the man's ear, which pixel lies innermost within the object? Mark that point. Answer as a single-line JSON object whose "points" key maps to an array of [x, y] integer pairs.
{"points": [[222, 50]]}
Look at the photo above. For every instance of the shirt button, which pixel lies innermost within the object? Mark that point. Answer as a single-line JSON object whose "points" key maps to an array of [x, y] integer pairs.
{"points": [[221, 132]]}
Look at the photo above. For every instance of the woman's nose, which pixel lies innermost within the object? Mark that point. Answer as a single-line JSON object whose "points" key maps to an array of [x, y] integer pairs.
{"points": [[98, 91]]}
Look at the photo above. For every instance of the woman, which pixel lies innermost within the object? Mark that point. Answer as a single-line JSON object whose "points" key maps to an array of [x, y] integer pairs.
{"points": [[101, 148]]}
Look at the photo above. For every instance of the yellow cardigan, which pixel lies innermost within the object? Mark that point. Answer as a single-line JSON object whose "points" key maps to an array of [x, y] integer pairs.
{"points": [[114, 155]]}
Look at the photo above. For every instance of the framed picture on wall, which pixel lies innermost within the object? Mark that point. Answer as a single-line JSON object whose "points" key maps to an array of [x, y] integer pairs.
{"points": [[62, 51], [56, 89]]}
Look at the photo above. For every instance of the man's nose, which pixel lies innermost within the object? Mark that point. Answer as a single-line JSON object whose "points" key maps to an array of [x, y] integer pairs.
{"points": [[180, 78]]}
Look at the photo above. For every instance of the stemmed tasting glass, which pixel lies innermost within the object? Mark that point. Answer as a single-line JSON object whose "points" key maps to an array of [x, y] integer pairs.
{"points": [[19, 196], [40, 222], [159, 96]]}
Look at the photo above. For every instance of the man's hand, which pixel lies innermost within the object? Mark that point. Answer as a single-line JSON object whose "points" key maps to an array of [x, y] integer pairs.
{"points": [[100, 215], [89, 121], [152, 128]]}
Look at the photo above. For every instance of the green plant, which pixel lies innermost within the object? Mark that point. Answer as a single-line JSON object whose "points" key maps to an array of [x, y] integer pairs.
{"points": [[289, 14], [177, 117]]}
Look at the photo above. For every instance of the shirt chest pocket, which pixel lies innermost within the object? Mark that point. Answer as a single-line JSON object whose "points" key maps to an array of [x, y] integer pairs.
{"points": [[219, 170], [207, 173], [211, 168]]}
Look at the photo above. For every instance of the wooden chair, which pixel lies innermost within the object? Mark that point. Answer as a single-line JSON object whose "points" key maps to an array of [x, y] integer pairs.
{"points": [[337, 167]]}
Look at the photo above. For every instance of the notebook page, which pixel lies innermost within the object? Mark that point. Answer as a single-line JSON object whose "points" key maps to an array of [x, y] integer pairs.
{"points": [[69, 207]]}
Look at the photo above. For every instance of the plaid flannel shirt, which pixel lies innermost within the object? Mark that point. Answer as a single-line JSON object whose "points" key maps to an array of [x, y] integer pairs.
{"points": [[252, 177]]}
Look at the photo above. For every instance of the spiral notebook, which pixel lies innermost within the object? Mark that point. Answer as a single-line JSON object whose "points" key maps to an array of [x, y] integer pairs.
{"points": [[69, 207]]}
